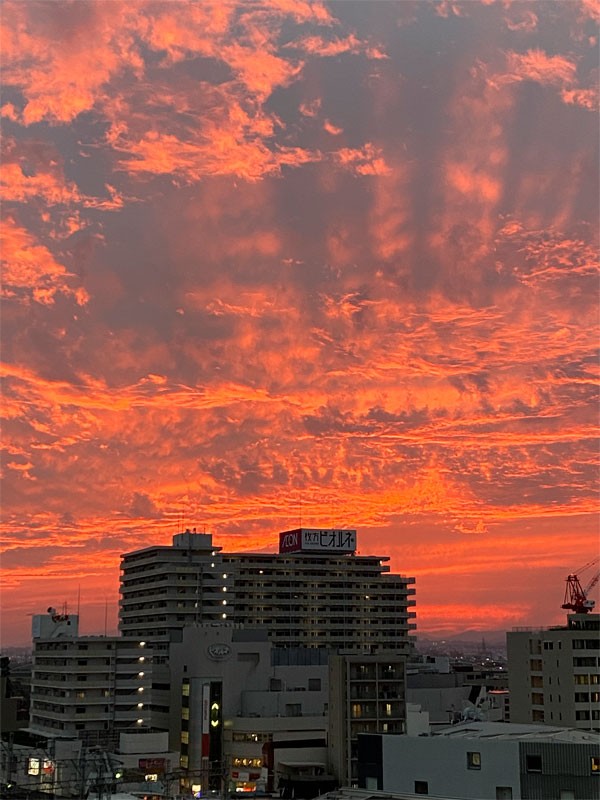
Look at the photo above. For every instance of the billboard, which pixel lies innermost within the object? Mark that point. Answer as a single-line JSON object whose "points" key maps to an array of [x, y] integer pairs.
{"points": [[318, 540]]}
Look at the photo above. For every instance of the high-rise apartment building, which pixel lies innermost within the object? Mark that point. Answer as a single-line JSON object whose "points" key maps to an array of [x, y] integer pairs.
{"points": [[315, 592], [554, 674]]}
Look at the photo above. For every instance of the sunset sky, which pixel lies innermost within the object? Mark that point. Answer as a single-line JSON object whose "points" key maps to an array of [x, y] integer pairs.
{"points": [[278, 263]]}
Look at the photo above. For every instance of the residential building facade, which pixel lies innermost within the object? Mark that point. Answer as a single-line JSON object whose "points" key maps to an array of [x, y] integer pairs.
{"points": [[318, 593], [554, 673], [367, 695], [93, 687]]}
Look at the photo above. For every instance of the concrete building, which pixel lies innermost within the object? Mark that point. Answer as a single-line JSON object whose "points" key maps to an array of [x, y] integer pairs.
{"points": [[241, 708], [484, 761], [367, 695], [165, 588], [554, 673], [316, 592], [93, 687]]}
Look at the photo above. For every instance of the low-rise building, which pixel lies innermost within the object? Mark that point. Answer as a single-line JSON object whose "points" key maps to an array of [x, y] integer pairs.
{"points": [[484, 761]]}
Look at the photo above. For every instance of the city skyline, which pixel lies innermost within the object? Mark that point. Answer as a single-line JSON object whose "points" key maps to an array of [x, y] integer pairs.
{"points": [[282, 264]]}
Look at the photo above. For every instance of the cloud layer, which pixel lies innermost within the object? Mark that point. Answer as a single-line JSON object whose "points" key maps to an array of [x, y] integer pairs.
{"points": [[289, 262]]}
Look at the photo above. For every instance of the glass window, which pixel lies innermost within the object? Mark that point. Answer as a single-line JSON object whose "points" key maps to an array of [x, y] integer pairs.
{"points": [[474, 760], [595, 764], [421, 787], [504, 793], [533, 763]]}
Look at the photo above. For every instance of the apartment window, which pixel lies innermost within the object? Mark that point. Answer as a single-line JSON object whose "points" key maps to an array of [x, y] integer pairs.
{"points": [[275, 685], [582, 697], [548, 645], [421, 787], [536, 664], [33, 767], [473, 760], [582, 680], [582, 715], [537, 681], [595, 765], [537, 698], [80, 710], [504, 793], [314, 684], [293, 709], [533, 763]]}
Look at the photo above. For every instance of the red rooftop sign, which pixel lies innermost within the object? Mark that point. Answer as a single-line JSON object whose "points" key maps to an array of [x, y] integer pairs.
{"points": [[317, 540]]}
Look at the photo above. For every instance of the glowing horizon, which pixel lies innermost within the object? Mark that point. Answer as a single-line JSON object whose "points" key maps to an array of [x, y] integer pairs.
{"points": [[288, 261]]}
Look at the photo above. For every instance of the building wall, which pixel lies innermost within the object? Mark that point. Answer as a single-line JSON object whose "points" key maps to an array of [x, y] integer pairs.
{"points": [[348, 602], [442, 763], [260, 702], [564, 768], [165, 588], [367, 695], [92, 687], [309, 599], [554, 674]]}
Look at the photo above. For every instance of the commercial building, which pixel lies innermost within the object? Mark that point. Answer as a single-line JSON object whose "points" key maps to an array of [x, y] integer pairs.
{"points": [[315, 592], [554, 673], [484, 761], [92, 687], [243, 711]]}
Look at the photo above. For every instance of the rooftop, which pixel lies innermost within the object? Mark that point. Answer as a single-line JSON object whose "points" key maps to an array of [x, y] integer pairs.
{"points": [[510, 730]]}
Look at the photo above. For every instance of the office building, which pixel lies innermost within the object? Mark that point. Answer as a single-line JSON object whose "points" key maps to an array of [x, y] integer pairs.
{"points": [[554, 673]]}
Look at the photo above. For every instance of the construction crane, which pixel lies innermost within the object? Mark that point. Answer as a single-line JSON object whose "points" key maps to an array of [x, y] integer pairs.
{"points": [[576, 596]]}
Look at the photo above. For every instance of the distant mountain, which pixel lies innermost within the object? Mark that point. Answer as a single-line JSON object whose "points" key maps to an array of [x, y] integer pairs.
{"points": [[491, 637]]}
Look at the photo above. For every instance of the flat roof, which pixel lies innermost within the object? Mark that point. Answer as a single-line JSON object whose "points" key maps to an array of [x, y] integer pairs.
{"points": [[511, 730]]}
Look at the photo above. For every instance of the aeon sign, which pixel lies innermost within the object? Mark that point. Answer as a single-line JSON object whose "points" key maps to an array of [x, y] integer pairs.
{"points": [[317, 540]]}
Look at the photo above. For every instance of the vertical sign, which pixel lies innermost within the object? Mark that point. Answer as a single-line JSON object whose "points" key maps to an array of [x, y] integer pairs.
{"points": [[205, 720]]}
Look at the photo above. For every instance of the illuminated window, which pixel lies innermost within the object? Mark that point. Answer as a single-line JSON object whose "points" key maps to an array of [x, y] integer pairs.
{"points": [[474, 760], [595, 765], [185, 737], [33, 767]]}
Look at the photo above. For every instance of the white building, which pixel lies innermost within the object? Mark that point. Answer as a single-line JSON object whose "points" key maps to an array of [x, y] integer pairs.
{"points": [[554, 673], [316, 592], [484, 761], [241, 708], [93, 687]]}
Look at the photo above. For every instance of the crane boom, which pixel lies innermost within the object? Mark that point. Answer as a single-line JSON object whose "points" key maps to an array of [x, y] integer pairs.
{"points": [[576, 597]]}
